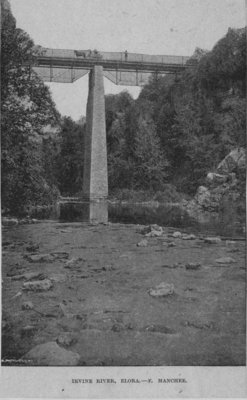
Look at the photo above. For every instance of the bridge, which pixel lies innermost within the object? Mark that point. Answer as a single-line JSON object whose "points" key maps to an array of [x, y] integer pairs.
{"points": [[122, 68]]}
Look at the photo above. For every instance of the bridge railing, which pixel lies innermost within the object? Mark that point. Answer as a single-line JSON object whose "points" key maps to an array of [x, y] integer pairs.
{"points": [[112, 56]]}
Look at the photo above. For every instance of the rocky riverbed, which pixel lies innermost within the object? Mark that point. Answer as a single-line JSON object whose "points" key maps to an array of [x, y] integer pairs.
{"points": [[115, 294]]}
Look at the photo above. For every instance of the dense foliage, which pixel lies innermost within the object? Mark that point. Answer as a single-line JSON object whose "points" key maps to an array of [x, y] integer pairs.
{"points": [[26, 111], [180, 127], [69, 161]]}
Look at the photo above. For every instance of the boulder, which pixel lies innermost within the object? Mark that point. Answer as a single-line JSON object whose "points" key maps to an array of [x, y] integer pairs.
{"points": [[151, 228], [9, 221], [38, 286], [214, 178], [50, 354], [143, 243], [163, 289], [27, 305], [177, 234]]}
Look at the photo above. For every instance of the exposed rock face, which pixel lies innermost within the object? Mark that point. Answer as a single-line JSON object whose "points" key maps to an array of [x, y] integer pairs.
{"points": [[220, 184], [233, 161]]}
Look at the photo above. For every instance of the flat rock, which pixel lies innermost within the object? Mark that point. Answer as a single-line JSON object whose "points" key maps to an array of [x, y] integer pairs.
{"points": [[72, 262], [51, 354], [28, 276], [230, 243], [188, 237], [163, 289], [225, 260], [159, 329], [171, 244], [212, 240], [35, 258], [58, 278], [154, 233], [38, 286], [60, 255], [172, 266], [143, 243]]}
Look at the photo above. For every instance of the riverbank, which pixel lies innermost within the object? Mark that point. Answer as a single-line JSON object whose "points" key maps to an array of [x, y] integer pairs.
{"points": [[105, 303]]}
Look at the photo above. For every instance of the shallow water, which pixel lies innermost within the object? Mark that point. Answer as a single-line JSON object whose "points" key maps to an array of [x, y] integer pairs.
{"points": [[171, 215]]}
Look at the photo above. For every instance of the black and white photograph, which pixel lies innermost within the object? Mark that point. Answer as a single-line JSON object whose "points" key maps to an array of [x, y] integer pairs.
{"points": [[123, 197]]}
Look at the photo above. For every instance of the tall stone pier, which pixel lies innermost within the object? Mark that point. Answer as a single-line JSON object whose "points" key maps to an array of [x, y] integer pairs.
{"points": [[95, 178]]}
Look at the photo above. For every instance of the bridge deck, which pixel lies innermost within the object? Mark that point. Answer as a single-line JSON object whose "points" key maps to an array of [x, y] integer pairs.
{"points": [[60, 65]]}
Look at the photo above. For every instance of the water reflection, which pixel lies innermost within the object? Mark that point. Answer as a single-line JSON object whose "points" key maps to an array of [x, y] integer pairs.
{"points": [[93, 211], [70, 210]]}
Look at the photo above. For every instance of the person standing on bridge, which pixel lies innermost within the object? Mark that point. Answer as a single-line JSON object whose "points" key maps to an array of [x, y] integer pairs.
{"points": [[126, 55]]}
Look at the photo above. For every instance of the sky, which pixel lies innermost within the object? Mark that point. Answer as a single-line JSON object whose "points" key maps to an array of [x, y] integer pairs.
{"points": [[173, 27]]}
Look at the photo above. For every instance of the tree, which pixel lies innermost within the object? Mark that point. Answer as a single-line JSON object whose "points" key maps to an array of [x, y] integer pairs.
{"points": [[150, 166], [70, 158], [26, 109]]}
